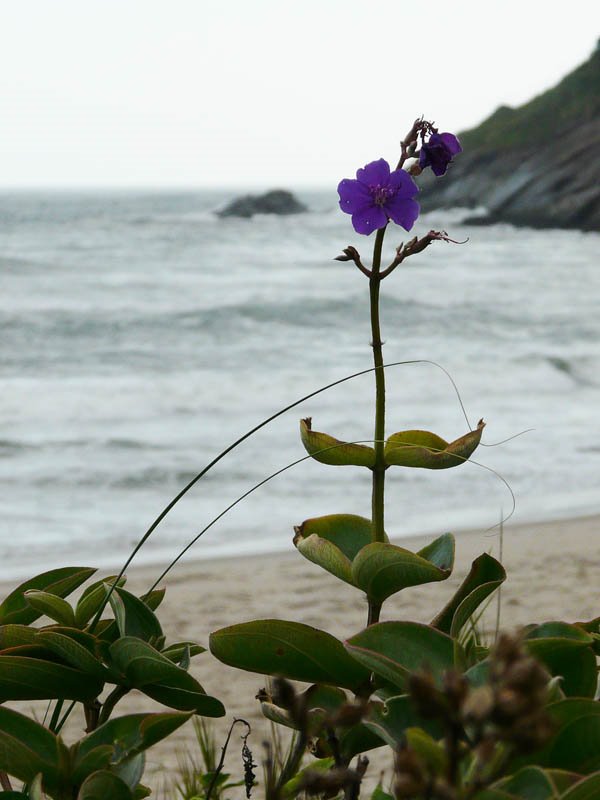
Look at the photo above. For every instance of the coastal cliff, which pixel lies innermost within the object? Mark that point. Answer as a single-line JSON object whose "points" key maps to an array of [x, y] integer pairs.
{"points": [[535, 165]]}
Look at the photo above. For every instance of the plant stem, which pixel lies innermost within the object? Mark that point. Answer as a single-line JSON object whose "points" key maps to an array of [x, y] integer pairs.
{"points": [[109, 704], [377, 496], [377, 502]]}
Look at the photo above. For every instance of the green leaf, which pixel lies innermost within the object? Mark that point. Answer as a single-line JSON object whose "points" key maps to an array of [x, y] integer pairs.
{"points": [[289, 649], [126, 737], [562, 779], [562, 631], [132, 770], [565, 650], [391, 720], [36, 789], [16, 635], [440, 552], [73, 652], [327, 450], [395, 649], [179, 651], [24, 678], [575, 747], [381, 570], [133, 616], [60, 582], [142, 664], [157, 676], [530, 783], [333, 541], [430, 753], [52, 606], [154, 598], [293, 786], [102, 785], [562, 752], [185, 700], [92, 598], [27, 748], [379, 794], [485, 576], [587, 789], [357, 739], [16, 796], [429, 451]]}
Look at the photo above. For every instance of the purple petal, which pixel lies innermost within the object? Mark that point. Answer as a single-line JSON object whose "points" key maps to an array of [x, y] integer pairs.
{"points": [[375, 173], [403, 211], [403, 183], [369, 219], [354, 195], [451, 143]]}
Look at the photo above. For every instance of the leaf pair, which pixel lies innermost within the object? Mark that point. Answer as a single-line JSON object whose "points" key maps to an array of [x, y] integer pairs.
{"points": [[414, 448], [342, 544]]}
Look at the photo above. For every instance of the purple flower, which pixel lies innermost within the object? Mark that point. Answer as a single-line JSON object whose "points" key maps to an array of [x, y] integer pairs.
{"points": [[438, 152], [378, 195]]}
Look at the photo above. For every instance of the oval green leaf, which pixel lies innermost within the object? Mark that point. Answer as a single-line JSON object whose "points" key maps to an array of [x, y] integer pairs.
{"points": [[333, 541], [16, 636], [576, 665], [133, 616], [394, 650], [587, 789], [185, 700], [289, 649], [102, 785], [27, 749], [426, 450], [52, 606], [126, 736], [382, 569], [61, 582], [92, 598], [73, 652], [485, 576], [529, 783], [327, 450], [23, 678], [390, 720]]}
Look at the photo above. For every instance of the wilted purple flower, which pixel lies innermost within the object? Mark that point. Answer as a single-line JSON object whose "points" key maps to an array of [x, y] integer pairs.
{"points": [[438, 152], [378, 195]]}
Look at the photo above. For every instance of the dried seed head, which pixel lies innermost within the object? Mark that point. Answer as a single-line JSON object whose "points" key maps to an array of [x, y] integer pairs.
{"points": [[478, 705]]}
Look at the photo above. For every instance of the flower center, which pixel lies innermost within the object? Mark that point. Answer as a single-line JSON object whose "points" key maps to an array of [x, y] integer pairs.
{"points": [[381, 194]]}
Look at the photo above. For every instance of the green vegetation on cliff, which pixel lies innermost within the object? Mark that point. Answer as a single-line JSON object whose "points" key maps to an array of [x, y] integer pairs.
{"points": [[572, 102]]}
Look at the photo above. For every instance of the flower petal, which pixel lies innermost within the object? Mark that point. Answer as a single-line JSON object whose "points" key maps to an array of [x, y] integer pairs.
{"points": [[451, 143], [403, 183], [375, 173], [403, 211], [369, 219], [354, 195]]}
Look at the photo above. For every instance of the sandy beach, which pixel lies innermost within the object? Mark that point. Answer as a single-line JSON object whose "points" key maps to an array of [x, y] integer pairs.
{"points": [[553, 572]]}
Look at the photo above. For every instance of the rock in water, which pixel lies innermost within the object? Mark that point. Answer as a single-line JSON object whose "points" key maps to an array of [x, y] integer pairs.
{"points": [[277, 201]]}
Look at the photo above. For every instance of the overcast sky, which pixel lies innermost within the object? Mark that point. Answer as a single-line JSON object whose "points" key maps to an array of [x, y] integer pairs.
{"points": [[260, 92]]}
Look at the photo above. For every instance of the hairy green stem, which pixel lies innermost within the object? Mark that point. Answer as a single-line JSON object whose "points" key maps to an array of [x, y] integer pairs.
{"points": [[377, 501], [378, 491]]}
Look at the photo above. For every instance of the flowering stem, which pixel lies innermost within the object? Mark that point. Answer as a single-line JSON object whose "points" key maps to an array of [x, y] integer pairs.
{"points": [[377, 497]]}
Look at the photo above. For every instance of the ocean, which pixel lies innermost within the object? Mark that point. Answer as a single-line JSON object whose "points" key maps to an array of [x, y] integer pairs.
{"points": [[141, 335]]}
